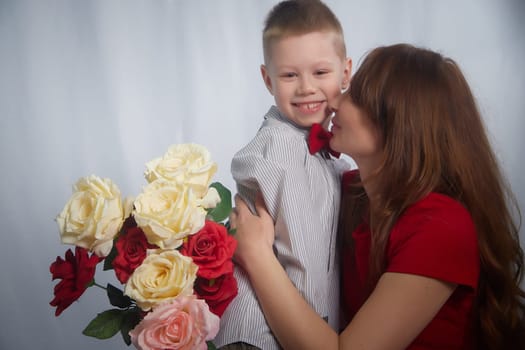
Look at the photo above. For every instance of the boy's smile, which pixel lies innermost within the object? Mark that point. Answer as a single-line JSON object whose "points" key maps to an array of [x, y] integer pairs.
{"points": [[308, 107]]}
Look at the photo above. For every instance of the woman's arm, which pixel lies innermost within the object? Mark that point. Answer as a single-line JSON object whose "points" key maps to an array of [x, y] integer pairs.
{"points": [[287, 313], [397, 311]]}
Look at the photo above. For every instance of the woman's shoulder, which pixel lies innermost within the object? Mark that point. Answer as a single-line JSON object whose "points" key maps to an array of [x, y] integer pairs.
{"points": [[437, 211], [438, 206], [434, 237]]}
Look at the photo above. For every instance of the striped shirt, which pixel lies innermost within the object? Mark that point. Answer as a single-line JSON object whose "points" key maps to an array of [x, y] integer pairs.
{"points": [[302, 193]]}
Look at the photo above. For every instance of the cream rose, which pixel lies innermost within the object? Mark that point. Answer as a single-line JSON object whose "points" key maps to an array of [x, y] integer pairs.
{"points": [[167, 213], [188, 164], [93, 215], [162, 276], [211, 199]]}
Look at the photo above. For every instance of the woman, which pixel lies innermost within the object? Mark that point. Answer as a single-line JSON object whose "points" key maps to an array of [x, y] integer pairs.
{"points": [[430, 250]]}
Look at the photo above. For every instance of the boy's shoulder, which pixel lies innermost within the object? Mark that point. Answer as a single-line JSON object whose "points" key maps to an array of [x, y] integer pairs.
{"points": [[278, 140]]}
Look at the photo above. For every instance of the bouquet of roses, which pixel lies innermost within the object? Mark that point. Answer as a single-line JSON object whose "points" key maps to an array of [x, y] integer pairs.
{"points": [[169, 248]]}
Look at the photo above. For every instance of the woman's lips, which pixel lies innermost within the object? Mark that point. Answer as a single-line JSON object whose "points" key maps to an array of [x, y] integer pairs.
{"points": [[334, 125]]}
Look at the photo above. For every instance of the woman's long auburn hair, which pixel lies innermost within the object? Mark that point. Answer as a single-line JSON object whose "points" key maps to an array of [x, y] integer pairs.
{"points": [[435, 141]]}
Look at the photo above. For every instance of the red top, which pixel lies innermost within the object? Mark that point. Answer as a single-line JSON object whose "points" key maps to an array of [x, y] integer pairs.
{"points": [[436, 238]]}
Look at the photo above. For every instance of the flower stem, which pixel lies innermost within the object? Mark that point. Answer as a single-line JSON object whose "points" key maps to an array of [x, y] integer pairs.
{"points": [[98, 285]]}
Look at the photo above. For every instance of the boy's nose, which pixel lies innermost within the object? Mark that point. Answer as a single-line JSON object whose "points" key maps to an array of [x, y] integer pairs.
{"points": [[305, 86]]}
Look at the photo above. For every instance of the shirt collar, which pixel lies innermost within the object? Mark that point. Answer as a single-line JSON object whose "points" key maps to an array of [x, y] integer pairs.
{"points": [[274, 113]]}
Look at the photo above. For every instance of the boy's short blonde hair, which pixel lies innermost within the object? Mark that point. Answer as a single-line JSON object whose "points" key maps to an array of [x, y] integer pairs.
{"points": [[297, 17]]}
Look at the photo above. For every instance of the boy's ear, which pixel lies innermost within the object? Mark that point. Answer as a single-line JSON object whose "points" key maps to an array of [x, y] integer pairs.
{"points": [[347, 74], [267, 79]]}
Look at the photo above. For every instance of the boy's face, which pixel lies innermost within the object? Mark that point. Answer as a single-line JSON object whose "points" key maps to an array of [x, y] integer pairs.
{"points": [[304, 73]]}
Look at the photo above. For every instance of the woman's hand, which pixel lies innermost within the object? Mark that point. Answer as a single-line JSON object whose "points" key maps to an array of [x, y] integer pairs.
{"points": [[254, 233], [287, 313]]}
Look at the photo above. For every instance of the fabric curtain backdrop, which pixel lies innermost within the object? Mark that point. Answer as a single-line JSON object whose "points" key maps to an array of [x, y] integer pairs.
{"points": [[101, 87]]}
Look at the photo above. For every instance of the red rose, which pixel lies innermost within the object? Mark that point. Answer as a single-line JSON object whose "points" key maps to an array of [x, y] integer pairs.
{"points": [[218, 293], [211, 249], [131, 251], [76, 272]]}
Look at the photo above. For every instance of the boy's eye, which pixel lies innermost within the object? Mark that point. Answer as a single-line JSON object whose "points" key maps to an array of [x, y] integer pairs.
{"points": [[288, 75], [321, 72]]}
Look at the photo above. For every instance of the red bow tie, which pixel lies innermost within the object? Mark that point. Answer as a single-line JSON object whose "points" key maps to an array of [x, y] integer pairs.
{"points": [[318, 140]]}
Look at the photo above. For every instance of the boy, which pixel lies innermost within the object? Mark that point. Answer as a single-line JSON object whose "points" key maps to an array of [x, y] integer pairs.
{"points": [[305, 67]]}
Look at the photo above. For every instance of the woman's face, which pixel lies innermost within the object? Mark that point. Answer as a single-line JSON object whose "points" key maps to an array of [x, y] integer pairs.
{"points": [[355, 135]]}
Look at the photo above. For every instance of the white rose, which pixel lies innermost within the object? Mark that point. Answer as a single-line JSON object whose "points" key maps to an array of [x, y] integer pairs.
{"points": [[211, 199], [167, 213], [188, 164], [93, 215], [128, 206], [162, 276]]}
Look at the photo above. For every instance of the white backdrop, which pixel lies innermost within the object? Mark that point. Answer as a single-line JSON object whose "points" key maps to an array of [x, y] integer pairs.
{"points": [[101, 87]]}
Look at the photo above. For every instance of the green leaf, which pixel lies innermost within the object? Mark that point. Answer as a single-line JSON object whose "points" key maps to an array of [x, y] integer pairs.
{"points": [[108, 261], [131, 319], [223, 209], [211, 346], [105, 325], [231, 231], [91, 283], [117, 297]]}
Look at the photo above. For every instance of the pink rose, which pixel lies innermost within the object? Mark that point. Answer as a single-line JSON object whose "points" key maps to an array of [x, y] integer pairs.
{"points": [[183, 323]]}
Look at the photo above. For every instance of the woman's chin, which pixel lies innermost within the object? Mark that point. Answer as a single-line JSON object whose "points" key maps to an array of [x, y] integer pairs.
{"points": [[334, 146]]}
